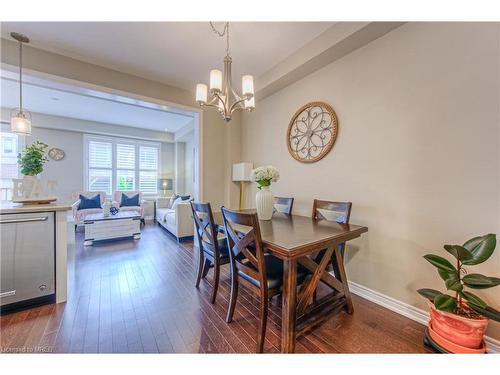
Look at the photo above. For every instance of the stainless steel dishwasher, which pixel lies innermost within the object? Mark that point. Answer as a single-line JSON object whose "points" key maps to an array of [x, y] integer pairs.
{"points": [[27, 260]]}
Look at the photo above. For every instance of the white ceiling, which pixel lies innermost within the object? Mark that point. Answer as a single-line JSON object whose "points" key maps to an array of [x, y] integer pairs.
{"points": [[176, 53], [92, 107]]}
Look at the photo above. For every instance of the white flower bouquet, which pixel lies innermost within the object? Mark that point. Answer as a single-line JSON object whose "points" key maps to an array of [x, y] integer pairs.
{"points": [[263, 176]]}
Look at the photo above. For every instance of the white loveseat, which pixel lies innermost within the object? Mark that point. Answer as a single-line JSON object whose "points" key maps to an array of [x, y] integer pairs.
{"points": [[178, 221]]}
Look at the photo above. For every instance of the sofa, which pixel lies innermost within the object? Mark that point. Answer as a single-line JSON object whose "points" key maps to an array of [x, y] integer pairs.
{"points": [[117, 198], [178, 220], [79, 215]]}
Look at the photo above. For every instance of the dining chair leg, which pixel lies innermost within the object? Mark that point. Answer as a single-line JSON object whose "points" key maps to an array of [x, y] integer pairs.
{"points": [[263, 322], [216, 281], [201, 263], [234, 296], [206, 268]]}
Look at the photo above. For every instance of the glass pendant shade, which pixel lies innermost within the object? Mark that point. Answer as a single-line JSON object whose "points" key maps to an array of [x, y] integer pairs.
{"points": [[247, 85], [215, 80], [201, 93], [20, 122]]}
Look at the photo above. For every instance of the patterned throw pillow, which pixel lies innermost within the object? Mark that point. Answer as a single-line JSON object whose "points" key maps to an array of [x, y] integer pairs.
{"points": [[86, 202]]}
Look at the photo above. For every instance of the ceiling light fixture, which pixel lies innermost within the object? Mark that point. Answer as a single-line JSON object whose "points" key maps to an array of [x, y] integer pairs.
{"points": [[224, 98], [20, 121]]}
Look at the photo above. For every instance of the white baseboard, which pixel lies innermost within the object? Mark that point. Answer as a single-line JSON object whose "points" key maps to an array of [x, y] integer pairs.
{"points": [[412, 312]]}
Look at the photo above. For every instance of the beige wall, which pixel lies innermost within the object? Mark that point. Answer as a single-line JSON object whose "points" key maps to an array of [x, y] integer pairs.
{"points": [[417, 150]]}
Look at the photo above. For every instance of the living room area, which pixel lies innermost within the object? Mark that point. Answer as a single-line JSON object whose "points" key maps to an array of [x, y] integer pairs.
{"points": [[105, 152]]}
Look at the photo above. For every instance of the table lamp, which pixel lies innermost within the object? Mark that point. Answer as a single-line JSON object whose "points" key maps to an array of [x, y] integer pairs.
{"points": [[165, 184], [241, 174]]}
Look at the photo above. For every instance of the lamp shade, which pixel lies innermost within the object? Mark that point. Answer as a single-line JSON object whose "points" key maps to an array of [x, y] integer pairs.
{"points": [[20, 122], [165, 184], [247, 85], [201, 93], [215, 80], [242, 171]]}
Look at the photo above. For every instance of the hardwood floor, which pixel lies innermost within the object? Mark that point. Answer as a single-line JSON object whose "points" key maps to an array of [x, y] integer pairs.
{"points": [[139, 296]]}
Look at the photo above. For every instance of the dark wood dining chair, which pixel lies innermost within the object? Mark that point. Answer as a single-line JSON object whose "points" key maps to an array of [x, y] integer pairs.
{"points": [[212, 245], [261, 272], [339, 212], [283, 205]]}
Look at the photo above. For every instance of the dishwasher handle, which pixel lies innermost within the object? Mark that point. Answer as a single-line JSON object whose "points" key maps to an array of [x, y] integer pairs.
{"points": [[31, 219]]}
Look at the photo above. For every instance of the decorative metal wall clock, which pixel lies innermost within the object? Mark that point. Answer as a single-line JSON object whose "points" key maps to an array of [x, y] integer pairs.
{"points": [[312, 132], [56, 154]]}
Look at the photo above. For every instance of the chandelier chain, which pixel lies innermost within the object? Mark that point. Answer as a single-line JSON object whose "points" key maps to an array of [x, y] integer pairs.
{"points": [[224, 32]]}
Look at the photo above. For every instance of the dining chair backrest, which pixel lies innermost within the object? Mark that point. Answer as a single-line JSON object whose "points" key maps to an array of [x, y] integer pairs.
{"points": [[339, 212], [205, 227], [245, 244], [283, 205]]}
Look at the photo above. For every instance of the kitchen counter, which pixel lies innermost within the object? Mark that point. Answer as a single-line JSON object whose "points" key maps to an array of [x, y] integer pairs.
{"points": [[19, 218], [15, 208]]}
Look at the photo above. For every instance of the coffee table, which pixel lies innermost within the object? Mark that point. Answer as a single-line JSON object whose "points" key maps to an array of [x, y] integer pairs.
{"points": [[124, 224]]}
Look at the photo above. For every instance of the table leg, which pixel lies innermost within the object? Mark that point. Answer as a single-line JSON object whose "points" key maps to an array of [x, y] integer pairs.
{"points": [[289, 305], [338, 267]]}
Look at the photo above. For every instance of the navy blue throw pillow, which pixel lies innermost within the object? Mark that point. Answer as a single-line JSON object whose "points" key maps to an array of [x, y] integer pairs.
{"points": [[129, 201], [185, 197], [86, 203]]}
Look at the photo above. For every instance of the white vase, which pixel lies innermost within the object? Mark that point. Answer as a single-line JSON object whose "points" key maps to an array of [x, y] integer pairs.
{"points": [[264, 200], [106, 208]]}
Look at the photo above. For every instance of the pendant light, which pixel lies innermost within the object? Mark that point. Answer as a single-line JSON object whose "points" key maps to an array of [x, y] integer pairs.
{"points": [[20, 120]]}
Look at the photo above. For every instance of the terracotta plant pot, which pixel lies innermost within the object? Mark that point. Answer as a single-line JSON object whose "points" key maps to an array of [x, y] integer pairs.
{"points": [[465, 333]]}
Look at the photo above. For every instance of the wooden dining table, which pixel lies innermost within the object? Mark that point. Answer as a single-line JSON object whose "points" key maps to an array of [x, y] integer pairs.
{"points": [[298, 240]]}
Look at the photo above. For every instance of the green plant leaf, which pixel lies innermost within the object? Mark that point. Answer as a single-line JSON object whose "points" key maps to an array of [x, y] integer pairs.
{"points": [[478, 281], [440, 263], [451, 280], [445, 302], [487, 311], [472, 298], [481, 248], [430, 294], [454, 284], [459, 252]]}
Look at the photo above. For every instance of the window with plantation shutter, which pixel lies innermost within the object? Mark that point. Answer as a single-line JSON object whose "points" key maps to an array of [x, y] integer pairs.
{"points": [[100, 162], [121, 164], [148, 169], [125, 167]]}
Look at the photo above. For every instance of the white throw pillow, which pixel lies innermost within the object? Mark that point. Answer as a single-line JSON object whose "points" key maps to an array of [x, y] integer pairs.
{"points": [[171, 201], [176, 202]]}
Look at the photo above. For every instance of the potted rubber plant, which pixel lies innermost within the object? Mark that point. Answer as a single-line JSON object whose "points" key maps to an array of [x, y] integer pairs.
{"points": [[458, 321]]}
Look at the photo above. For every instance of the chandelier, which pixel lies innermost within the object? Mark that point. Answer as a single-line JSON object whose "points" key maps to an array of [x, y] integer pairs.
{"points": [[20, 121], [223, 96]]}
